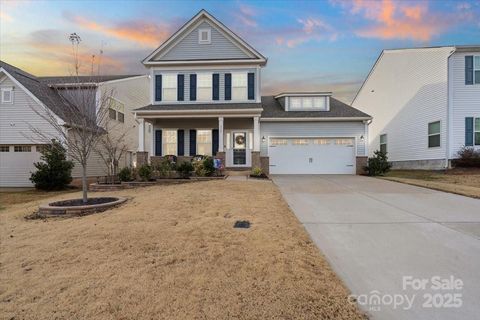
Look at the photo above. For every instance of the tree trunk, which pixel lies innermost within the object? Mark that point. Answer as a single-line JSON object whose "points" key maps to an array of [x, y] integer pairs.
{"points": [[84, 183]]}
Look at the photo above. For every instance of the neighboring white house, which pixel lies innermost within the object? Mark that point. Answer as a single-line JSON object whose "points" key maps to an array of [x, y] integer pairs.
{"points": [[425, 103], [21, 92], [205, 98]]}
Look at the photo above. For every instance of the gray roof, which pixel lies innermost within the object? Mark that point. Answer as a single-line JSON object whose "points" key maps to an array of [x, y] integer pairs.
{"points": [[203, 106], [48, 96], [273, 109], [84, 79]]}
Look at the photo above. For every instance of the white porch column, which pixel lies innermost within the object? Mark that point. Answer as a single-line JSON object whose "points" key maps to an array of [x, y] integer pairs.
{"points": [[220, 134], [256, 134], [141, 135]]}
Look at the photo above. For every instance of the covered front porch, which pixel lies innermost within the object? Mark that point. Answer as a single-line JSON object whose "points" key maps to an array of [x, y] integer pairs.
{"points": [[233, 137]]}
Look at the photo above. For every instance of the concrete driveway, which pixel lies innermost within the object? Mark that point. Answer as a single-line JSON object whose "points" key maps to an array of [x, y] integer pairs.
{"points": [[376, 232]]}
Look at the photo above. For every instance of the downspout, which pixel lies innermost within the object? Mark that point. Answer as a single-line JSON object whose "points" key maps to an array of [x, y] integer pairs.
{"points": [[366, 136], [449, 110]]}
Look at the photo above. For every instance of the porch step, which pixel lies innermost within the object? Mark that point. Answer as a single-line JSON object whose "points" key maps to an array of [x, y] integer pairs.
{"points": [[237, 171]]}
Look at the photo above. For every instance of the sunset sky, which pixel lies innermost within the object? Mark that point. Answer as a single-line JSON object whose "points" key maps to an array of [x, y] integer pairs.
{"points": [[311, 45]]}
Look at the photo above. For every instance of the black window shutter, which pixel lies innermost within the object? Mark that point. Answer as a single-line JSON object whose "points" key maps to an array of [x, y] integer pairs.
{"points": [[468, 70], [180, 87], [228, 86], [158, 87], [216, 86], [469, 131], [158, 142], [251, 86], [193, 87], [193, 142], [214, 142], [180, 142]]}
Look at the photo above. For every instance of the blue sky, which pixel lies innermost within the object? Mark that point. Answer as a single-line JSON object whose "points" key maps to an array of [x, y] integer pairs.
{"points": [[311, 45]]}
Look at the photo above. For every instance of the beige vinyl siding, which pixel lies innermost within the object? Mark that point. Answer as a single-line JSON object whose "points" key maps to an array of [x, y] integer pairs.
{"points": [[313, 129], [188, 48], [133, 93], [405, 91], [465, 101]]}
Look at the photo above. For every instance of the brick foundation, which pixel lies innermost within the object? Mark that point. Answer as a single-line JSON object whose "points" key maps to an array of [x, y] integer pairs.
{"points": [[361, 164], [142, 158], [265, 165]]}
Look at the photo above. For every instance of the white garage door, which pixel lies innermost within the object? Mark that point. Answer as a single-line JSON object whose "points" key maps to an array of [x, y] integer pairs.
{"points": [[16, 165], [312, 155]]}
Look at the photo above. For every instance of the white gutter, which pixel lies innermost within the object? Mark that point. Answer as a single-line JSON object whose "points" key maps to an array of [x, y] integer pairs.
{"points": [[316, 119]]}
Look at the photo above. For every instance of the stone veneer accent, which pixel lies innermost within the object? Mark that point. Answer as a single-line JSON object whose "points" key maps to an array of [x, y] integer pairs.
{"points": [[361, 164], [265, 165], [142, 158]]}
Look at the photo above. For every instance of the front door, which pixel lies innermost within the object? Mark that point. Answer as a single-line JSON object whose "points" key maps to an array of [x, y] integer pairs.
{"points": [[239, 148]]}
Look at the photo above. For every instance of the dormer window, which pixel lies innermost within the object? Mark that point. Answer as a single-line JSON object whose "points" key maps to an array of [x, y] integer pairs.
{"points": [[308, 101], [204, 36]]}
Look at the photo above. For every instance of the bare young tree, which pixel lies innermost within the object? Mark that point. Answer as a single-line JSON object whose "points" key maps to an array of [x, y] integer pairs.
{"points": [[80, 113], [112, 147]]}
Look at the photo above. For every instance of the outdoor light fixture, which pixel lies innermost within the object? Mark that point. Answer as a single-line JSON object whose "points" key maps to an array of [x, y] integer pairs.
{"points": [[263, 139], [362, 138]]}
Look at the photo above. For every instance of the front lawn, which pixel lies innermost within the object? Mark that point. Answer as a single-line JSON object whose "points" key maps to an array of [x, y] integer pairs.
{"points": [[10, 196], [461, 181], [169, 253]]}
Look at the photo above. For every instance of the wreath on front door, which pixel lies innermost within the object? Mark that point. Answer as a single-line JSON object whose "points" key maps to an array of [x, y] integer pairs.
{"points": [[240, 140]]}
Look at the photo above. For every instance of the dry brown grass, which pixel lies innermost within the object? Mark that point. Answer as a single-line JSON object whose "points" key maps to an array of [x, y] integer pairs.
{"points": [[169, 253], [464, 182], [22, 196]]}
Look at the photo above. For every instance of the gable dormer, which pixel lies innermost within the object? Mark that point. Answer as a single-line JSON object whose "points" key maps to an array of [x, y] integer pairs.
{"points": [[204, 40]]}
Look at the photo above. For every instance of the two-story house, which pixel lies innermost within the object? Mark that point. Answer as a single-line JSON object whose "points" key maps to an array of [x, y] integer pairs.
{"points": [[205, 94], [425, 103], [23, 99]]}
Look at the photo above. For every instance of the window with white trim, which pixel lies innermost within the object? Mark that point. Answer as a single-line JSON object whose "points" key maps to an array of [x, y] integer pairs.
{"points": [[434, 134], [476, 132], [7, 95], [169, 87], [308, 103], [4, 148], [204, 86], [476, 69], [204, 142], [205, 36], [22, 149], [383, 143], [239, 86], [169, 142]]}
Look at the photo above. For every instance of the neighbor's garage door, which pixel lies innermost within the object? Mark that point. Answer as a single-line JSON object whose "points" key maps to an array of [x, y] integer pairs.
{"points": [[311, 155], [16, 165]]}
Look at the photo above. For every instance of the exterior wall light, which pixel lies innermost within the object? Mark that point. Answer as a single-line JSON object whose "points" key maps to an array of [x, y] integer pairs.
{"points": [[263, 139], [362, 138]]}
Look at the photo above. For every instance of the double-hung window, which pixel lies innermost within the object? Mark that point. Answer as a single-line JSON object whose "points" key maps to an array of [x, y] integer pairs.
{"points": [[383, 143], [204, 142], [4, 148], [434, 134], [169, 142], [204, 86], [7, 95], [169, 87], [22, 149], [239, 86]]}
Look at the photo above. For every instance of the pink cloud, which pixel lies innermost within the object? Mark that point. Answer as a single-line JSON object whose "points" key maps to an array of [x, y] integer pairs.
{"points": [[246, 16], [397, 19], [309, 29]]}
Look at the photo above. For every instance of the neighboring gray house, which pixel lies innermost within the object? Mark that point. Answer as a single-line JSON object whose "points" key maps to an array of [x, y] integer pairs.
{"points": [[21, 92], [425, 103], [205, 98]]}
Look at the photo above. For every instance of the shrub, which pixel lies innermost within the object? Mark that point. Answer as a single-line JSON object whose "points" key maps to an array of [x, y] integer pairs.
{"points": [[378, 164], [467, 157], [54, 172], [257, 171], [203, 166], [126, 174], [145, 172], [185, 169]]}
